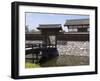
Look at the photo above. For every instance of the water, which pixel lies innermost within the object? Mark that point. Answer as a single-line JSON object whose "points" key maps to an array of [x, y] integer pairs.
{"points": [[65, 60]]}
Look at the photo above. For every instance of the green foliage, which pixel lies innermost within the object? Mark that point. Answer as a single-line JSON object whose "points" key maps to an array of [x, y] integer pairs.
{"points": [[33, 30], [31, 65]]}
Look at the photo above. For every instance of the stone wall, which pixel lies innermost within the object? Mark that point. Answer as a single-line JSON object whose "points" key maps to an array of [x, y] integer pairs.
{"points": [[77, 48]]}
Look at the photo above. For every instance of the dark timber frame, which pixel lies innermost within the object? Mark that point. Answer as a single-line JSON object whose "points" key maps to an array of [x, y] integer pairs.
{"points": [[15, 39], [50, 30]]}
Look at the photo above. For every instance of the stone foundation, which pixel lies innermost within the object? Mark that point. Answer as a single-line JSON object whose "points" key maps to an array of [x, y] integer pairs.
{"points": [[77, 48]]}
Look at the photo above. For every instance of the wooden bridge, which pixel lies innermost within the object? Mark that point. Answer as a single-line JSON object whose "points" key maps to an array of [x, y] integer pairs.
{"points": [[45, 52]]}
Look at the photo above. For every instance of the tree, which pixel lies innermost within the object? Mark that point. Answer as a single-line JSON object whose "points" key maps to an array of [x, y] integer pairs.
{"points": [[26, 29], [33, 30]]}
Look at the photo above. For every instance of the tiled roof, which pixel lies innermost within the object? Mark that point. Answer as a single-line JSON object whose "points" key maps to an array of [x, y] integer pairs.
{"points": [[49, 26], [77, 22]]}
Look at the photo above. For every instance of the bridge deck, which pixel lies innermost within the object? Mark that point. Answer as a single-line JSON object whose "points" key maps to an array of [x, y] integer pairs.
{"points": [[35, 48]]}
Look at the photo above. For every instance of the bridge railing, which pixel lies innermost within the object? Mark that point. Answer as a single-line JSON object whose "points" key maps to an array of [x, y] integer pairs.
{"points": [[39, 45]]}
